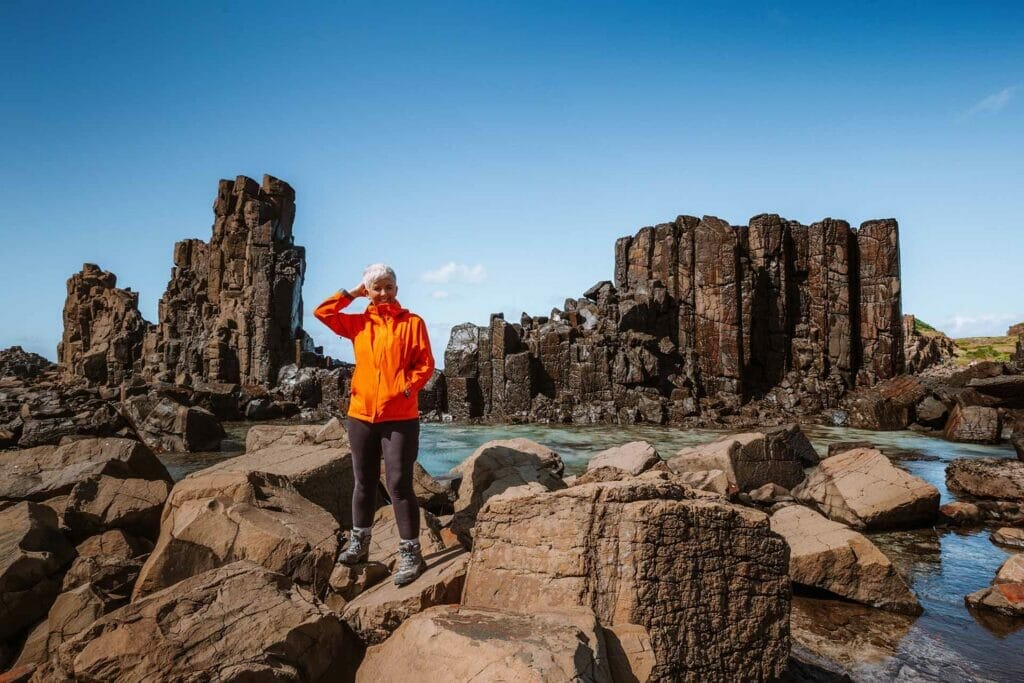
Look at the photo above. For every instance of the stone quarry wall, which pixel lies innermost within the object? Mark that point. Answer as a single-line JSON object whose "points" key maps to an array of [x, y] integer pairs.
{"points": [[233, 307], [701, 316]]}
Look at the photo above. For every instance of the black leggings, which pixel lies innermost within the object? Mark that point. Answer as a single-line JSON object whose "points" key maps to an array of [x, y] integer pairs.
{"points": [[399, 442]]}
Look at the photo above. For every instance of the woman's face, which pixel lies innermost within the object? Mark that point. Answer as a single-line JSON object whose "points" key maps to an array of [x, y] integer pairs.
{"points": [[383, 291]]}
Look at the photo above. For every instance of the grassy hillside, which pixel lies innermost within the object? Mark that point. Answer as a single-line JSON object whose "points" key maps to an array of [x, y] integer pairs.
{"points": [[985, 348]]}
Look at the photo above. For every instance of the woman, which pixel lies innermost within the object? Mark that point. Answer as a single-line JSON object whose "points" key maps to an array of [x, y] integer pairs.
{"points": [[393, 362]]}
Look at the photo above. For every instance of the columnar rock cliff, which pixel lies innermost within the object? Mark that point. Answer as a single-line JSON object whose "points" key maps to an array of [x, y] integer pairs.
{"points": [[233, 306], [103, 329], [701, 316]]}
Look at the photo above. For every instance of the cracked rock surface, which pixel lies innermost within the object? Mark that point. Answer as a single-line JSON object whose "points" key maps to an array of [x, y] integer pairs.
{"points": [[102, 503], [749, 460], [827, 555], [864, 490], [708, 580], [237, 622], [449, 644], [987, 478]]}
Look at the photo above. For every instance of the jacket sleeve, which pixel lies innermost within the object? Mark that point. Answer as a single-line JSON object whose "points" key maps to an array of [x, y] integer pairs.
{"points": [[422, 363], [344, 324]]}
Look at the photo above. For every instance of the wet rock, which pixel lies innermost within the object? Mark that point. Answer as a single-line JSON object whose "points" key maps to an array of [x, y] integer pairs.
{"points": [[449, 643], [237, 622], [634, 457], [164, 424], [375, 614], [1011, 571], [101, 503], [864, 490], [987, 478], [260, 518], [497, 466], [1011, 537], [535, 553], [1005, 598], [959, 512], [47, 471], [33, 556], [749, 460], [974, 424], [828, 555]]}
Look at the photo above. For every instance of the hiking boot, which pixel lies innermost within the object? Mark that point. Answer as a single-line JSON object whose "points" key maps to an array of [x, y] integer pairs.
{"points": [[358, 549], [410, 562]]}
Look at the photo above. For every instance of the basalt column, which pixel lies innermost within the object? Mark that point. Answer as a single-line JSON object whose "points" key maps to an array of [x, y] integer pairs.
{"points": [[881, 332], [718, 335], [829, 285], [233, 307]]}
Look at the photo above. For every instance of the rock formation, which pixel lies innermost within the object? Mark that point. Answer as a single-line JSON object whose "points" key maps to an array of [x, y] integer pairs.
{"points": [[922, 351], [233, 307], [103, 329], [701, 315]]}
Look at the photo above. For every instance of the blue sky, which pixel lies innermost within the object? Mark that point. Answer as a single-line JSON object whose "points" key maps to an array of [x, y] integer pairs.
{"points": [[492, 152]]}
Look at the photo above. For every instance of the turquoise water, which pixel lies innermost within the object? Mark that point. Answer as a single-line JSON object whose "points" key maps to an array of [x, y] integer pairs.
{"points": [[946, 643]]}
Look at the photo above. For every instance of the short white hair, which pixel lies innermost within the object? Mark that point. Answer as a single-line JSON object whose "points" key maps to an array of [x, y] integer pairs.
{"points": [[378, 271]]}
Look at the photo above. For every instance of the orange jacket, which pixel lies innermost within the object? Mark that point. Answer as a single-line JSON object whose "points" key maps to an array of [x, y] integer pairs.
{"points": [[393, 358]]}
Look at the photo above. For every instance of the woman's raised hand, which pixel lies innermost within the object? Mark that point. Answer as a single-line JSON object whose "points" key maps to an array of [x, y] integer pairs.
{"points": [[358, 291]]}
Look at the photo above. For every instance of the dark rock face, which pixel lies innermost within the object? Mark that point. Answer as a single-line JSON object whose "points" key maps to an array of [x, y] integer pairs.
{"points": [[922, 352], [16, 362], [233, 307], [702, 317]]}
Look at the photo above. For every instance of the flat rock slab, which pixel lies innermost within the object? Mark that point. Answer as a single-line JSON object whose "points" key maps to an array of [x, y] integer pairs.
{"points": [[33, 556], [1005, 598], [864, 490], [44, 472], [238, 622], [708, 580], [453, 645], [633, 457], [266, 522], [827, 555], [102, 503], [987, 478], [1011, 537], [375, 614]]}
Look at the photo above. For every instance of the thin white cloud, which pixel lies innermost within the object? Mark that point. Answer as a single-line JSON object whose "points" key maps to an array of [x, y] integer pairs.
{"points": [[456, 272], [994, 103], [439, 294], [983, 325]]}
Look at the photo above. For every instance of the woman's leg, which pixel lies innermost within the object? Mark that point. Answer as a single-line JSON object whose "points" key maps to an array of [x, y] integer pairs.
{"points": [[366, 450], [401, 442]]}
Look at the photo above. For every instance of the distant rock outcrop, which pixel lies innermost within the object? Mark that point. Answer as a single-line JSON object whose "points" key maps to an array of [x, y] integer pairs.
{"points": [[922, 351], [702, 316], [103, 329]]}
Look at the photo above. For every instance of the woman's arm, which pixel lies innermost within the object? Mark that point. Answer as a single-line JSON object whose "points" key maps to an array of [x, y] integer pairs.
{"points": [[329, 312], [422, 360]]}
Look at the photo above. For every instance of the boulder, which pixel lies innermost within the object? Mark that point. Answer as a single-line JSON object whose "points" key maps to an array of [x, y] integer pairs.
{"points": [[72, 612], [932, 413], [261, 519], [961, 513], [47, 471], [888, 406], [974, 424], [837, 447], [748, 460], [1017, 441], [827, 555], [496, 466], [33, 556], [110, 562], [263, 436], [237, 622], [375, 614], [320, 472], [348, 581], [101, 503], [987, 478], [163, 424], [1005, 598], [1011, 571], [770, 494], [1011, 537], [634, 457], [864, 490], [448, 644], [708, 580], [713, 481]]}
